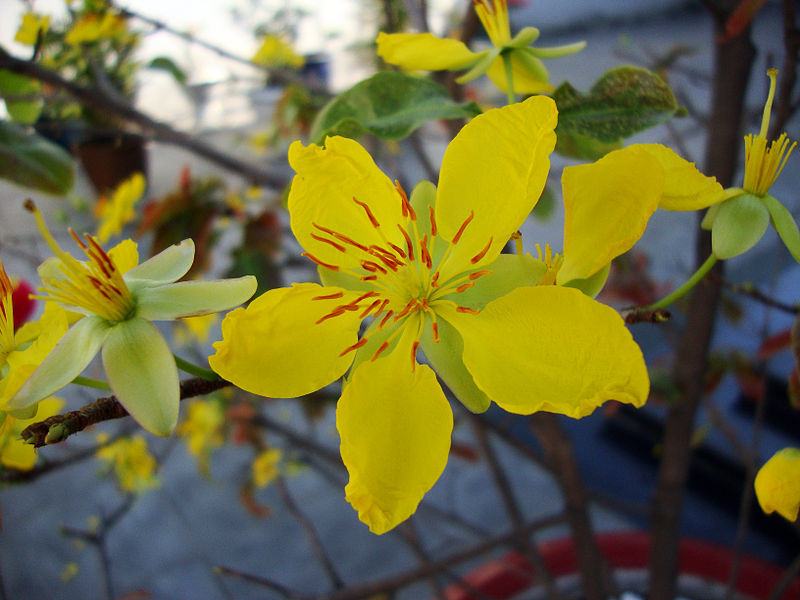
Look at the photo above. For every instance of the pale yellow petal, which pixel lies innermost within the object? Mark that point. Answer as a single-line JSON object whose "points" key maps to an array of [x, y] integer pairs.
{"points": [[326, 192], [424, 52], [524, 81], [606, 208], [495, 170], [395, 426], [554, 349], [278, 347]]}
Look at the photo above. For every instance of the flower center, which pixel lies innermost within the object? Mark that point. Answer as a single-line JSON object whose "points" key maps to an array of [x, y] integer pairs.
{"points": [[762, 163], [95, 286], [494, 16], [405, 278]]}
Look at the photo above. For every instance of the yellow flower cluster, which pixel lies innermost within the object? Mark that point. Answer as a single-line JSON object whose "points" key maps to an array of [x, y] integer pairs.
{"points": [[131, 462]]}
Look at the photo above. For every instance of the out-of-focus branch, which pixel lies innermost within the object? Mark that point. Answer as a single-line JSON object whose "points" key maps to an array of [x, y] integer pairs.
{"points": [[149, 127], [784, 107], [59, 427]]}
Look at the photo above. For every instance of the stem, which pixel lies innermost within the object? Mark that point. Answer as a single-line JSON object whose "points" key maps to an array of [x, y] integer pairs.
{"points": [[690, 283], [92, 383], [509, 78], [193, 369]]}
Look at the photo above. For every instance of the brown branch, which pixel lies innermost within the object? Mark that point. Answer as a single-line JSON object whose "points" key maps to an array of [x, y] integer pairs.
{"points": [[59, 427], [149, 127], [749, 290], [791, 43]]}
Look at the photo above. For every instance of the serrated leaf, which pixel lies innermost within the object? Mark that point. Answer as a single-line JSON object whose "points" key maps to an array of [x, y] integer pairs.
{"points": [[389, 106], [21, 96], [31, 161], [164, 63], [623, 102]]}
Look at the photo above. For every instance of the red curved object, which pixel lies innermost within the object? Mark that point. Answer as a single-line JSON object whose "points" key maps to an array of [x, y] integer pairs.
{"points": [[504, 577], [23, 305]]}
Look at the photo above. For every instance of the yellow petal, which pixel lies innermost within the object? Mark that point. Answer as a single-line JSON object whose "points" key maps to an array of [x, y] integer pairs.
{"points": [[423, 51], [606, 208], [15, 453], [125, 255], [524, 81], [276, 348], [551, 348], [327, 181], [778, 484], [395, 427], [685, 188], [494, 169]]}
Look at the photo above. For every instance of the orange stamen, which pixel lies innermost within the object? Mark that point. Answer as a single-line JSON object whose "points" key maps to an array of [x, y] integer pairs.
{"points": [[476, 274], [408, 210], [383, 347], [464, 309], [408, 242], [329, 296], [407, 309], [319, 238], [482, 253], [461, 229], [385, 319], [355, 346], [434, 229], [368, 310], [370, 216], [464, 287], [373, 267], [436, 332], [312, 258]]}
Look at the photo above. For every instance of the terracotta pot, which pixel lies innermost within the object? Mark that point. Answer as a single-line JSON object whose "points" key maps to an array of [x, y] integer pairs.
{"points": [[108, 160], [704, 569]]}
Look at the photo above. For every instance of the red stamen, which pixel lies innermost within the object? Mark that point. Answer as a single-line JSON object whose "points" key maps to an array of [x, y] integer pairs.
{"points": [[368, 310], [434, 229], [385, 319], [414, 348], [77, 239], [329, 296], [369, 294], [423, 250], [312, 258], [383, 347], [435, 279], [381, 308], [373, 267], [436, 332], [482, 253], [355, 346], [319, 238], [461, 229], [407, 309], [398, 249], [334, 313], [341, 237], [370, 216], [408, 242], [408, 210], [476, 274], [464, 287], [464, 309], [368, 277]]}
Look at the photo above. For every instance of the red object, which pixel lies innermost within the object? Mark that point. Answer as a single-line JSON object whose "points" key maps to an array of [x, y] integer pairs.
{"points": [[504, 577], [23, 305]]}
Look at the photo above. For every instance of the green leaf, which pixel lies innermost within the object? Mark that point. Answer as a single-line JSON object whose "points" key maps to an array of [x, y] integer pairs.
{"points": [[31, 161], [576, 145], [164, 63], [389, 106], [22, 96], [623, 102]]}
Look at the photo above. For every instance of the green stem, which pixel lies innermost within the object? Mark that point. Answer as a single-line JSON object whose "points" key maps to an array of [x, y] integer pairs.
{"points": [[193, 369], [690, 283], [509, 78], [92, 383]]}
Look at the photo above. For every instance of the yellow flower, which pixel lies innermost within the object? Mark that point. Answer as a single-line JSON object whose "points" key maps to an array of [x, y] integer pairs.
{"points": [[274, 52], [265, 467], [15, 453], [23, 350], [429, 275], [120, 299], [741, 220], [777, 484], [118, 211], [131, 461], [196, 329], [202, 428], [93, 27], [423, 51], [32, 24]]}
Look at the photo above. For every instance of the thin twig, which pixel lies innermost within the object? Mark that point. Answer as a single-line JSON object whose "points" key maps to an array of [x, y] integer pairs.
{"points": [[749, 290], [784, 107], [262, 581]]}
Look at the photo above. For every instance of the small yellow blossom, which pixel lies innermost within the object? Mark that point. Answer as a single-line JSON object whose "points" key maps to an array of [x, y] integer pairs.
{"points": [[196, 329], [32, 24], [69, 572], [116, 212], [131, 461], [778, 484], [276, 53], [14, 453], [265, 467], [203, 429], [93, 27]]}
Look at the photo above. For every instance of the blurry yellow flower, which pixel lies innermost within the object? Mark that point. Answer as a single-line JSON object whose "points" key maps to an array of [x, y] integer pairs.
{"points": [[202, 428], [778, 484], [131, 461], [195, 329], [423, 51], [14, 453], [428, 274], [94, 27], [69, 572], [116, 212], [274, 52], [265, 467], [28, 31]]}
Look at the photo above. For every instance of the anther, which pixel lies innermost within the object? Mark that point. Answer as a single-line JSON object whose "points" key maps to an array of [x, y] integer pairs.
{"points": [[464, 287], [425, 255], [476, 274], [312, 258], [319, 238], [408, 242], [329, 296], [482, 253], [461, 229], [411, 304], [408, 210], [436, 332], [368, 310], [373, 267], [435, 279], [414, 348], [385, 319], [370, 216], [465, 309], [434, 229], [383, 347], [355, 346]]}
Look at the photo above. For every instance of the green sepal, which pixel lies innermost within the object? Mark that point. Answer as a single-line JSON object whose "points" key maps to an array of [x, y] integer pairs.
{"points": [[591, 286], [738, 225], [784, 224], [480, 67], [525, 37], [532, 64], [558, 51], [507, 273]]}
